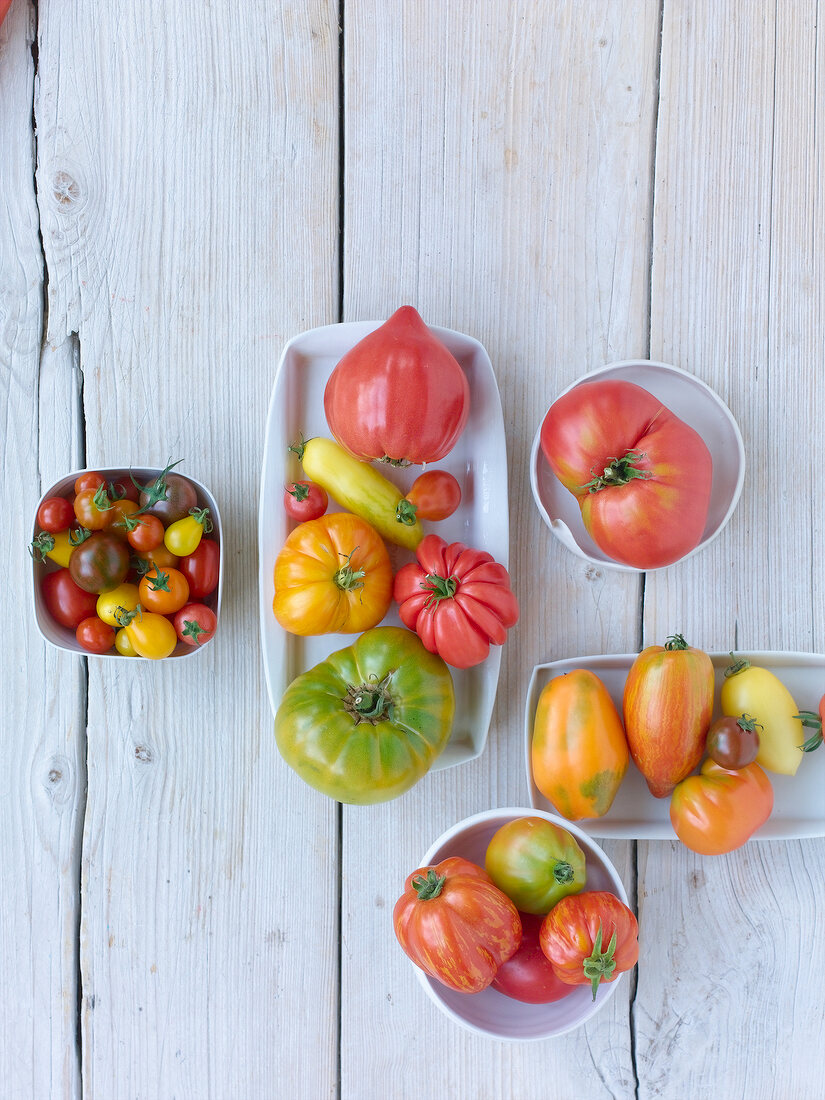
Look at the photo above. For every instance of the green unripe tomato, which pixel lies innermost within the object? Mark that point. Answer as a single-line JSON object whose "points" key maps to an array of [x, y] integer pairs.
{"points": [[535, 863]]}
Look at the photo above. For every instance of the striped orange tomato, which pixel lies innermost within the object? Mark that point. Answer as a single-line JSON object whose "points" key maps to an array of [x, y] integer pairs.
{"points": [[668, 704], [579, 752]]}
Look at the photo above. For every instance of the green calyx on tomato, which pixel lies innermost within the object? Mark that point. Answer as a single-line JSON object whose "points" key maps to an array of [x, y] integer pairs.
{"points": [[406, 512], [155, 491], [814, 722], [41, 545], [348, 578], [369, 702], [160, 581], [78, 535], [102, 501], [676, 642], [599, 965], [619, 471], [125, 618], [440, 588], [535, 863], [429, 886]]}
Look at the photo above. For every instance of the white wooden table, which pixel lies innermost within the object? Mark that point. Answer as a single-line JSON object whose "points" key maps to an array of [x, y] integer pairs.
{"points": [[184, 188]]}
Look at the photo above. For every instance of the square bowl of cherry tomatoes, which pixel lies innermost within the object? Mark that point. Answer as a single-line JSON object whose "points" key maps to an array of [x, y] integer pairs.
{"points": [[127, 562]]}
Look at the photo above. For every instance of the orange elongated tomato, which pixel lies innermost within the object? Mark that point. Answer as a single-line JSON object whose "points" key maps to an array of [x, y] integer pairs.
{"points": [[579, 751], [720, 809], [668, 703], [456, 925], [333, 575]]}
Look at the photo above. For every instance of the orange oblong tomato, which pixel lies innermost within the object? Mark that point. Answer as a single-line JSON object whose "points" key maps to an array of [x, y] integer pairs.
{"points": [[456, 925], [668, 705], [333, 575], [579, 753], [719, 810]]}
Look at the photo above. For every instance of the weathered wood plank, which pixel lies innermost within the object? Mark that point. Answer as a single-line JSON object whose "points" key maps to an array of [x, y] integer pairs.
{"points": [[188, 174], [497, 177], [737, 299]]}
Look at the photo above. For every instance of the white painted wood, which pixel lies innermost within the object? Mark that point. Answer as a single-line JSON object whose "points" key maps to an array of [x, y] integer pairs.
{"points": [[498, 178], [187, 178], [729, 1002]]}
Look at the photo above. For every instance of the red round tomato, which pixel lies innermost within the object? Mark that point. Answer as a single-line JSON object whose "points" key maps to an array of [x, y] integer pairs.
{"points": [[100, 563], [456, 599], [399, 395], [590, 938], [66, 602], [90, 480], [529, 975], [95, 635], [202, 568], [145, 533], [641, 476], [435, 495], [305, 500], [93, 509], [195, 623], [55, 514]]}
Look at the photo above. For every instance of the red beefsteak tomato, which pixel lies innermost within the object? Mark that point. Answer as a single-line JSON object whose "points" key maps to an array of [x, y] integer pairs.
{"points": [[457, 600], [641, 476], [399, 395], [590, 938], [720, 809], [456, 925]]}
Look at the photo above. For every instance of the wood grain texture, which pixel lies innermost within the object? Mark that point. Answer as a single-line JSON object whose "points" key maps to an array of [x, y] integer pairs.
{"points": [[187, 178], [497, 177], [737, 300]]}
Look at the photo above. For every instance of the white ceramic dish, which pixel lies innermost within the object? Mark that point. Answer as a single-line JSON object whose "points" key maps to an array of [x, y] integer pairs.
{"points": [[478, 461], [61, 636], [691, 400], [490, 1013], [799, 804]]}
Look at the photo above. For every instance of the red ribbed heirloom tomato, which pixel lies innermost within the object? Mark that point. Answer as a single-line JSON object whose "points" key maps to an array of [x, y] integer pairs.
{"points": [[456, 925], [668, 704], [399, 395], [590, 938], [458, 600], [720, 809], [641, 476]]}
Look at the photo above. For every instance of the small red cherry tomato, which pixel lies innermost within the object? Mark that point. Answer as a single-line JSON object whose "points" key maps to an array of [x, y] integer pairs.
{"points": [[55, 514], [733, 742], [147, 534], [195, 623], [305, 500], [529, 975], [435, 494], [89, 480], [65, 601], [95, 635], [202, 568]]}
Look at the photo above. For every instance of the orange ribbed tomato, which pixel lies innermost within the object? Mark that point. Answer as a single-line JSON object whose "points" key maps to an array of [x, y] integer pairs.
{"points": [[455, 924], [579, 751], [720, 809], [668, 704], [333, 575], [590, 938]]}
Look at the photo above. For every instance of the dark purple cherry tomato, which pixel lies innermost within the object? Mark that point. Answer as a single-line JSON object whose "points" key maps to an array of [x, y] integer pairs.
{"points": [[170, 497], [67, 604], [95, 635], [55, 514], [305, 500], [529, 976], [100, 563], [733, 742]]}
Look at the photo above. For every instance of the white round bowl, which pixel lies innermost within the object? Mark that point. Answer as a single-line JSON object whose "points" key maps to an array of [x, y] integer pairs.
{"points": [[61, 636], [490, 1013], [693, 402]]}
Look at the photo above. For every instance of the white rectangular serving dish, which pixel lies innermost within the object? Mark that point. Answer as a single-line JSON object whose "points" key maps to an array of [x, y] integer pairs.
{"points": [[478, 461], [799, 801]]}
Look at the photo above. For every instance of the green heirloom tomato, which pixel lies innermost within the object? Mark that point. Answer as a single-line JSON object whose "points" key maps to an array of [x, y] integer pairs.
{"points": [[367, 723], [535, 863]]}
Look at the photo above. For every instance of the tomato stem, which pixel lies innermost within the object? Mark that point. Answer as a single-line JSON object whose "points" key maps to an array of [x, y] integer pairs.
{"points": [[600, 965], [619, 471], [738, 664], [156, 491], [41, 545], [440, 588], [676, 642], [405, 512], [202, 516], [563, 872], [814, 722], [347, 578], [370, 702], [429, 886]]}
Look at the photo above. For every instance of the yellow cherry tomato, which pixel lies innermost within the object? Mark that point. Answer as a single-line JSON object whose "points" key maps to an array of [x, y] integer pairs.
{"points": [[62, 549], [151, 635], [183, 536], [123, 645], [125, 596]]}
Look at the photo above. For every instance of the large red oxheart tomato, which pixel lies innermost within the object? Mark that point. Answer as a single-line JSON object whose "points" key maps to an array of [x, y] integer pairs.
{"points": [[457, 600], [590, 938], [529, 975], [455, 924], [399, 395], [641, 476]]}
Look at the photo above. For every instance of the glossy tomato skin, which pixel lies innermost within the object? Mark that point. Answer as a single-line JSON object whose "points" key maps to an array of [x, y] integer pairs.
{"points": [[125, 597], [576, 937], [653, 519], [163, 591], [759, 692], [55, 514], [332, 575], [464, 932], [100, 563], [178, 499], [458, 600], [305, 500], [398, 395], [366, 723], [94, 635], [89, 480], [148, 535], [535, 863], [152, 635], [578, 752], [195, 624], [733, 742], [529, 975], [719, 810], [65, 601], [202, 569], [88, 513], [435, 494], [668, 705]]}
